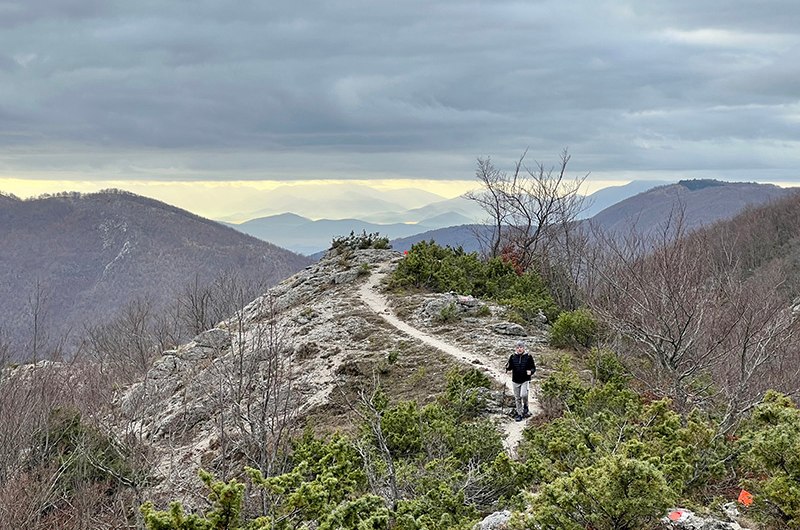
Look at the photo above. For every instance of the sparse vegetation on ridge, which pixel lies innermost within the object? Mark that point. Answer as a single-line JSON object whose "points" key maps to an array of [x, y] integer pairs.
{"points": [[360, 241], [444, 269]]}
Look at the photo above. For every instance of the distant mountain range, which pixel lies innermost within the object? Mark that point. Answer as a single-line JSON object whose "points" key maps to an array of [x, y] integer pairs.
{"points": [[458, 208], [336, 201], [703, 202], [307, 236], [92, 254]]}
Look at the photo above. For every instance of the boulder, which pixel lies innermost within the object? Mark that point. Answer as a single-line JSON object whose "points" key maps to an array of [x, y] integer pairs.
{"points": [[215, 338], [509, 328], [495, 521]]}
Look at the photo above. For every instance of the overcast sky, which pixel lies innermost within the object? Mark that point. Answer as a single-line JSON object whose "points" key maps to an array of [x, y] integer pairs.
{"points": [[262, 90]]}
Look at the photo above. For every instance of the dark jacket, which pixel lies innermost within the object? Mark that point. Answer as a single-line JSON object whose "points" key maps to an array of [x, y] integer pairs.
{"points": [[519, 364]]}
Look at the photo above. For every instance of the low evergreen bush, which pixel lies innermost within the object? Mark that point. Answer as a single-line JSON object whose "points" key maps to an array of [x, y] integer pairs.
{"points": [[575, 329], [445, 269], [360, 241]]}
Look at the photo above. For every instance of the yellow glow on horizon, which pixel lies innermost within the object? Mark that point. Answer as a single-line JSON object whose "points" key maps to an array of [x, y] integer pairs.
{"points": [[33, 187], [218, 199]]}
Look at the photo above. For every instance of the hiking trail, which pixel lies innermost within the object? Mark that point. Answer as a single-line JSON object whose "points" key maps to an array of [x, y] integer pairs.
{"points": [[370, 293]]}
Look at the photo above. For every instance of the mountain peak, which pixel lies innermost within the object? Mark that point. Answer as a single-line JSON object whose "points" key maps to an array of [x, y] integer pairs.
{"points": [[703, 201], [98, 252], [699, 184]]}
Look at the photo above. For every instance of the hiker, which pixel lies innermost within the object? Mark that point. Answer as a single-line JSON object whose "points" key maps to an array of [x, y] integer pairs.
{"points": [[522, 367]]}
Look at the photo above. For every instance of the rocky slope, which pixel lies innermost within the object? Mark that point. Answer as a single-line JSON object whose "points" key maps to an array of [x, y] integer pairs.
{"points": [[299, 355]]}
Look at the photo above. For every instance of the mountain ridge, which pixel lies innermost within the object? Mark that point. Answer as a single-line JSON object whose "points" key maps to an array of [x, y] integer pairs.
{"points": [[91, 254]]}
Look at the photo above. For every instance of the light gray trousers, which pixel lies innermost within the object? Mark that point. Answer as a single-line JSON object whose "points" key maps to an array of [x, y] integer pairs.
{"points": [[521, 396]]}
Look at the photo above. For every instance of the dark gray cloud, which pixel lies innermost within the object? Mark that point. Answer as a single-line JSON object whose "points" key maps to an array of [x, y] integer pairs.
{"points": [[213, 89]]}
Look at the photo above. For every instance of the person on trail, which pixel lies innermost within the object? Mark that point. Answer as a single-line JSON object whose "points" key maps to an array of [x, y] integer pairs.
{"points": [[522, 368]]}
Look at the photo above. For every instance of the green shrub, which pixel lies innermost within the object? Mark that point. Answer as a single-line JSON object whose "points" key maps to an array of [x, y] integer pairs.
{"points": [[368, 512], [84, 453], [226, 508], [562, 390], [364, 269], [574, 328], [448, 313], [607, 368], [772, 445], [445, 269], [617, 493], [361, 241], [610, 418], [463, 391], [401, 427], [392, 356]]}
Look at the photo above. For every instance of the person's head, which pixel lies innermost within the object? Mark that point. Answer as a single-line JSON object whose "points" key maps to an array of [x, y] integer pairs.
{"points": [[520, 348]]}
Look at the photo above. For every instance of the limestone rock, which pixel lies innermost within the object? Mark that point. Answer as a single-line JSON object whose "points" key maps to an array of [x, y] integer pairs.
{"points": [[217, 339], [495, 521], [345, 277], [462, 305], [679, 518], [509, 328]]}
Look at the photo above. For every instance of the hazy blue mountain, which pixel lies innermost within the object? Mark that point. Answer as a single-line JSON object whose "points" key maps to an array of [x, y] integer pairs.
{"points": [[306, 236], [466, 208], [603, 198], [336, 201], [444, 220]]}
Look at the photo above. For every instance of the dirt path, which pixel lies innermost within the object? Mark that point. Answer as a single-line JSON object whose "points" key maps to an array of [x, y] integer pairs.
{"points": [[370, 294]]}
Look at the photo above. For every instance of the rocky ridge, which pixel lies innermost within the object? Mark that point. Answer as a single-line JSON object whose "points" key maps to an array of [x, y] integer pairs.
{"points": [[299, 354], [310, 342]]}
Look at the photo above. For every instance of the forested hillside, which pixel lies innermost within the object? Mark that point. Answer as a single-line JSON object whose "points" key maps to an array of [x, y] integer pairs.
{"points": [[701, 203], [73, 261]]}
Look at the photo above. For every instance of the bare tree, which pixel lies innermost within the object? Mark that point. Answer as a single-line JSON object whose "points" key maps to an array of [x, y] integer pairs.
{"points": [[690, 321], [195, 304], [370, 413], [532, 213], [253, 395], [41, 344], [202, 305], [492, 199], [125, 347]]}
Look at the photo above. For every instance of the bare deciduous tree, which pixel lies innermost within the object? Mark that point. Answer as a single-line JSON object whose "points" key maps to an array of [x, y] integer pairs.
{"points": [[690, 321], [383, 483], [532, 213]]}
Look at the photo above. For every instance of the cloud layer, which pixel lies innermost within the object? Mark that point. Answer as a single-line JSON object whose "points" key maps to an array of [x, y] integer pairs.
{"points": [[250, 89]]}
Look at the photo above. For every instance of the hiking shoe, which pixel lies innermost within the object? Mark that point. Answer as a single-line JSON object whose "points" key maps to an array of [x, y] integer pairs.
{"points": [[518, 418]]}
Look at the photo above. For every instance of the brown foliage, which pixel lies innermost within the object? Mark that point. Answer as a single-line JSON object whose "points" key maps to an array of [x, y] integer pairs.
{"points": [[693, 320]]}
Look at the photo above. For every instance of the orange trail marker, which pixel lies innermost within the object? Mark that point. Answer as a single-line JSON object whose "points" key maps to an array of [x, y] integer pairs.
{"points": [[674, 516], [746, 498]]}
